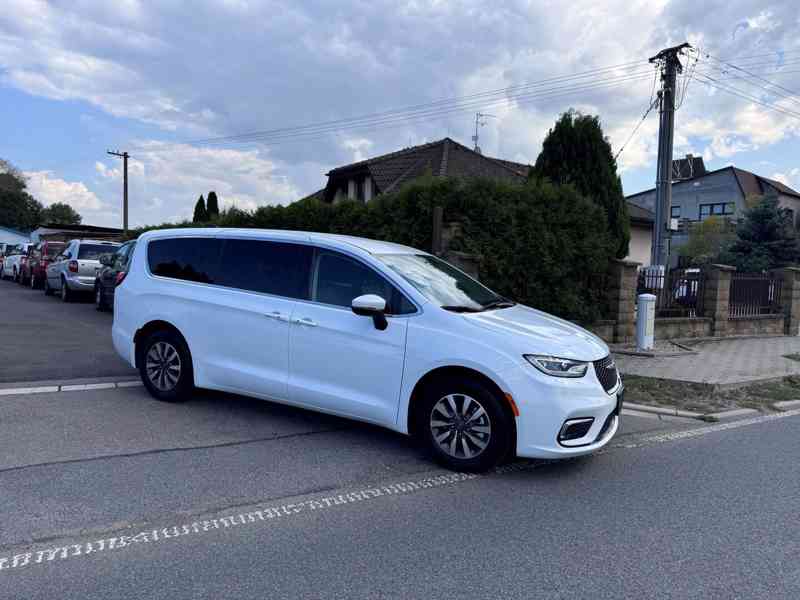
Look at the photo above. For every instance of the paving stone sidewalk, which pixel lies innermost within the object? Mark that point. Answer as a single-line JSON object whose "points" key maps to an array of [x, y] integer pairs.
{"points": [[722, 362]]}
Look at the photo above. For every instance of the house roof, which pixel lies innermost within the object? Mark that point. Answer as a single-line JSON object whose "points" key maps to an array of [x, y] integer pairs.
{"points": [[14, 231], [640, 215], [442, 158], [749, 183]]}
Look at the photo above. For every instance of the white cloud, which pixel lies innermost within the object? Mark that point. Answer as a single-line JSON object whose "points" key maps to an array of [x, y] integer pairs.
{"points": [[790, 178], [49, 189]]}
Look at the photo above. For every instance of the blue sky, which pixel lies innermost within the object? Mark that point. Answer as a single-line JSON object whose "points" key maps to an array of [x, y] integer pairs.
{"points": [[79, 78]]}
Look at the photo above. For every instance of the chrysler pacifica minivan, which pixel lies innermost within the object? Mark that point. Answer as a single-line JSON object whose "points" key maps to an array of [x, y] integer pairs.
{"points": [[366, 330]]}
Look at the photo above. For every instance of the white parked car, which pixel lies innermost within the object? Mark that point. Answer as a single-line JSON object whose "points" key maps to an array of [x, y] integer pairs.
{"points": [[12, 263], [368, 330]]}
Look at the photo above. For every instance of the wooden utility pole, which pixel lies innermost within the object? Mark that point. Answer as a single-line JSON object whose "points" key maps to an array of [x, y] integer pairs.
{"points": [[670, 65], [124, 156]]}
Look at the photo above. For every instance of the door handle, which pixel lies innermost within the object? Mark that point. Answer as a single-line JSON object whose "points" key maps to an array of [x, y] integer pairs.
{"points": [[306, 321], [278, 316]]}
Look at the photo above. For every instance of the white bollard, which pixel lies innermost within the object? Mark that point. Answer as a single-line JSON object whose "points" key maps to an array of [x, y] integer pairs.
{"points": [[645, 321]]}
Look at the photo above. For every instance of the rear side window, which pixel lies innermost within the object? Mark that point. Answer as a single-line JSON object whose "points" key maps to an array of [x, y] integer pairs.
{"points": [[276, 268], [93, 251], [189, 259], [340, 279]]}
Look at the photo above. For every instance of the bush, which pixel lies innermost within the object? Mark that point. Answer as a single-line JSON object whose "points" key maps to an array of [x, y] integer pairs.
{"points": [[540, 244]]}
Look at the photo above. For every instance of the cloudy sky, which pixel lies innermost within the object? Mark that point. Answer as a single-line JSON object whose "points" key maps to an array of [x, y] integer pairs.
{"points": [[154, 78]]}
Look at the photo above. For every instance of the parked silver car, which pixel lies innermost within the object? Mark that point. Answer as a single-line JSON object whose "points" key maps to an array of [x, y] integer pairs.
{"points": [[75, 269], [12, 262]]}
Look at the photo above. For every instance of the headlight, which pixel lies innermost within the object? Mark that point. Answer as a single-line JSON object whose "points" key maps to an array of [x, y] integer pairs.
{"points": [[558, 367]]}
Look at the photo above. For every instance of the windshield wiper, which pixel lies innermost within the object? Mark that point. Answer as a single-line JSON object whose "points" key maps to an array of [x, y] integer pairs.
{"points": [[498, 302], [461, 309]]}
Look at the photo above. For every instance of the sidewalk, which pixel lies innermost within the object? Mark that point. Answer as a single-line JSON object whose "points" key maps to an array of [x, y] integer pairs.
{"points": [[722, 362]]}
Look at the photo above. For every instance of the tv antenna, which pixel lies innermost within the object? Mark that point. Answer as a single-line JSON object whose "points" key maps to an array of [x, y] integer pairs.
{"points": [[480, 122]]}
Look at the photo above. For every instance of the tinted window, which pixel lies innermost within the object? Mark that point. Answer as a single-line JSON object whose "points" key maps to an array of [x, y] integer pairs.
{"points": [[340, 279], [269, 267], [93, 251], [190, 259], [121, 256]]}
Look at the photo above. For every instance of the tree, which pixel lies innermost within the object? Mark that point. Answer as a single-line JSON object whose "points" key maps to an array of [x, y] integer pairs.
{"points": [[765, 238], [708, 240], [212, 206], [19, 210], [11, 178], [60, 213], [576, 152], [200, 213]]}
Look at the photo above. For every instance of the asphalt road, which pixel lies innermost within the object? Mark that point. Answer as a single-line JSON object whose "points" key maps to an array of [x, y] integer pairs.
{"points": [[108, 493], [41, 338]]}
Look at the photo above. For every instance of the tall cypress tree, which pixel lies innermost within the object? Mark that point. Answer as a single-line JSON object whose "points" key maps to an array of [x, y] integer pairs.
{"points": [[200, 214], [212, 206], [576, 152]]}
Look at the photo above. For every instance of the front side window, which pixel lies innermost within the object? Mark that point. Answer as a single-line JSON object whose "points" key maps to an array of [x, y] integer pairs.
{"points": [[442, 283], [340, 279], [268, 267], [188, 259]]}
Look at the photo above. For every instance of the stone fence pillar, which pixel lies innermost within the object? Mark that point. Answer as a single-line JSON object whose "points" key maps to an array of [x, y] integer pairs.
{"points": [[623, 275], [790, 298], [716, 296]]}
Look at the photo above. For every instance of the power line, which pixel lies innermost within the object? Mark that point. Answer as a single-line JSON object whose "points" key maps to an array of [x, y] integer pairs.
{"points": [[715, 83], [653, 104], [790, 94]]}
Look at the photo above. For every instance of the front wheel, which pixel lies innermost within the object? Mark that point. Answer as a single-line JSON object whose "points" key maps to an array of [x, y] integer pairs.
{"points": [[165, 366], [465, 425], [99, 299]]}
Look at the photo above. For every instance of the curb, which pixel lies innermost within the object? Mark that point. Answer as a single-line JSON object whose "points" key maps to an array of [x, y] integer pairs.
{"points": [[673, 412], [732, 414], [33, 388]]}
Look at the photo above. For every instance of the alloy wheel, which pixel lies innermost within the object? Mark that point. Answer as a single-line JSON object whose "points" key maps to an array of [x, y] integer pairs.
{"points": [[460, 426], [163, 366]]}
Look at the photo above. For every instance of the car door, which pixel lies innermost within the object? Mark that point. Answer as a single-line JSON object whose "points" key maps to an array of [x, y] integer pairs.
{"points": [[54, 269], [247, 349], [338, 361]]}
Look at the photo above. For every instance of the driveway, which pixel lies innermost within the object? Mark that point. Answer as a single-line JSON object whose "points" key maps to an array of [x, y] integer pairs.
{"points": [[42, 338]]}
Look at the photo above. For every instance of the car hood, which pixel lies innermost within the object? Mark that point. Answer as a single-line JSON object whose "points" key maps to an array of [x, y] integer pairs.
{"points": [[536, 332]]}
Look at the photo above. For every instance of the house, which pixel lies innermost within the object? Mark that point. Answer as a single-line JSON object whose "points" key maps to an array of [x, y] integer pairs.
{"points": [[366, 179], [55, 231], [698, 194], [12, 236], [641, 234]]}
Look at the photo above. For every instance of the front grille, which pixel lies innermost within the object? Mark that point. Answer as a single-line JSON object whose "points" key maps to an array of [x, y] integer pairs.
{"points": [[606, 371]]}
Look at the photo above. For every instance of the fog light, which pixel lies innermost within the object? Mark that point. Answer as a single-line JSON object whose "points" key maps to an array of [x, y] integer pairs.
{"points": [[575, 429]]}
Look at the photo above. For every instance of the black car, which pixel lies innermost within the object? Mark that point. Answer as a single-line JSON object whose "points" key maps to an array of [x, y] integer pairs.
{"points": [[115, 267]]}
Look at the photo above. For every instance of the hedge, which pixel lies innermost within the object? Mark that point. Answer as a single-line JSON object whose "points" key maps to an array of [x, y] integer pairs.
{"points": [[540, 244]]}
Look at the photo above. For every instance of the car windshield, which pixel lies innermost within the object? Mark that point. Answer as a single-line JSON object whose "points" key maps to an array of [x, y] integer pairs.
{"points": [[442, 283], [93, 251]]}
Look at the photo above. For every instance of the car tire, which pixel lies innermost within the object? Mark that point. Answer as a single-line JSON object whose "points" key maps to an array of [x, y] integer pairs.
{"points": [[15, 276], [66, 293], [33, 282], [48, 291], [476, 436], [99, 299], [165, 366]]}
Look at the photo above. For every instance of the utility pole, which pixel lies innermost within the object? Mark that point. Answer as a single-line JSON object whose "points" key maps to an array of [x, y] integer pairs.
{"points": [[124, 156], [479, 122], [670, 64]]}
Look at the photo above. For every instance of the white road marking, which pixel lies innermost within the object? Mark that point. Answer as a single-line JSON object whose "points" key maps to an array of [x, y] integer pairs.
{"points": [[76, 387], [82, 387], [270, 514], [30, 390]]}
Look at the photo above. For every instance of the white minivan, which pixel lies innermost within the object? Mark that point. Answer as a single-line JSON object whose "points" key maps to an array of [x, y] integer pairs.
{"points": [[367, 330]]}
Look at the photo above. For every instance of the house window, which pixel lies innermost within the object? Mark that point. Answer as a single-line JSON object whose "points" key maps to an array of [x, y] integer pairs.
{"points": [[675, 212], [718, 209]]}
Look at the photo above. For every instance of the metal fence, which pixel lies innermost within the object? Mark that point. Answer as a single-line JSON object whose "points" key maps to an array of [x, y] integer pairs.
{"points": [[754, 294], [678, 292]]}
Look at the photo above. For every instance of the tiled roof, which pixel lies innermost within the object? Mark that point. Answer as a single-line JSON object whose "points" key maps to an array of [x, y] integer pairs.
{"points": [[443, 158], [637, 213]]}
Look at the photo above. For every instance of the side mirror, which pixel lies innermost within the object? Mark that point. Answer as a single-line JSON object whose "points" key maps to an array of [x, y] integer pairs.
{"points": [[371, 305], [106, 259]]}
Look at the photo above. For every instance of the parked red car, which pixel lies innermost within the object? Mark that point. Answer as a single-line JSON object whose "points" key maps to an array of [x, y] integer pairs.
{"points": [[34, 269]]}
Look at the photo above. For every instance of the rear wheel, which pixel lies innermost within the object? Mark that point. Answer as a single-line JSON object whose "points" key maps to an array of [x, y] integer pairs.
{"points": [[33, 282], [66, 293], [464, 425], [165, 366], [48, 291]]}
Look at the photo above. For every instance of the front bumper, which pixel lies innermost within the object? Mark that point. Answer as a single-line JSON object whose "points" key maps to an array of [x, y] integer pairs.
{"points": [[545, 403]]}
